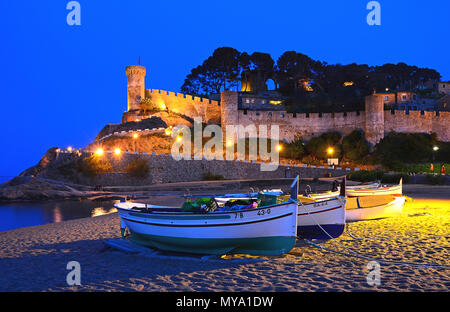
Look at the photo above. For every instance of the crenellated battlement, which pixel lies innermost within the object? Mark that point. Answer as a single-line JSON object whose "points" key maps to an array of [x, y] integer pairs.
{"points": [[136, 71], [181, 95]]}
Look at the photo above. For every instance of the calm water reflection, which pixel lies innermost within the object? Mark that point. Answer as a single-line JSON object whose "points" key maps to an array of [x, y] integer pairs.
{"points": [[17, 215]]}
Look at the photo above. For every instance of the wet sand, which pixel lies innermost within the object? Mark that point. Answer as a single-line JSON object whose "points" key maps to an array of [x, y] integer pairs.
{"points": [[35, 258]]}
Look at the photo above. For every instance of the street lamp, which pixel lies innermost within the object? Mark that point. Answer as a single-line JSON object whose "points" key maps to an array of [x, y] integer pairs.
{"points": [[279, 147], [331, 161], [117, 151], [135, 137], [435, 149], [99, 152]]}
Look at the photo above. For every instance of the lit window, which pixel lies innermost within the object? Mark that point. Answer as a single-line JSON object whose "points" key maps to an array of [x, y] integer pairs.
{"points": [[276, 102], [386, 98], [247, 101]]}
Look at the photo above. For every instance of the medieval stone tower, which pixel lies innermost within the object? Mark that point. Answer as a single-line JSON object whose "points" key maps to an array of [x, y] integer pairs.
{"points": [[136, 86], [374, 121], [229, 108]]}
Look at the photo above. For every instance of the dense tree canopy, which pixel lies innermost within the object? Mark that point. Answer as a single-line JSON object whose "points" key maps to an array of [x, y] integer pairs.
{"points": [[309, 85], [397, 149], [325, 146], [355, 146]]}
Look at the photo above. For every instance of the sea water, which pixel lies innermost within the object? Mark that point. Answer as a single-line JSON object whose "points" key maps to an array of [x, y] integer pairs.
{"points": [[18, 215]]}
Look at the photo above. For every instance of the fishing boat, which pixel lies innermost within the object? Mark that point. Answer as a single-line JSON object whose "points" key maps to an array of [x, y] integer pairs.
{"points": [[364, 186], [265, 230], [321, 219], [324, 195], [316, 219], [373, 207], [395, 190]]}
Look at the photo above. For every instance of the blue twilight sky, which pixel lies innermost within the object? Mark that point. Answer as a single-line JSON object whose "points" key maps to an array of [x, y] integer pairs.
{"points": [[61, 84]]}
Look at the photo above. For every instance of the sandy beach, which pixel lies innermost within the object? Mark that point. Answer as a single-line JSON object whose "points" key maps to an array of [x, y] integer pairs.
{"points": [[35, 259]]}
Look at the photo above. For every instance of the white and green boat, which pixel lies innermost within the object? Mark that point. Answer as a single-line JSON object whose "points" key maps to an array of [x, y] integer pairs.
{"points": [[265, 230]]}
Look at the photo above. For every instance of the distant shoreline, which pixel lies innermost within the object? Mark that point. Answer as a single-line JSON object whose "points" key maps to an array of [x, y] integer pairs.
{"points": [[39, 189]]}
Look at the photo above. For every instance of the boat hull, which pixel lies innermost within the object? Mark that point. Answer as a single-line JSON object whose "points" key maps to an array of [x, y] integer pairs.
{"points": [[396, 190], [320, 232], [268, 246], [321, 219], [268, 230], [391, 209]]}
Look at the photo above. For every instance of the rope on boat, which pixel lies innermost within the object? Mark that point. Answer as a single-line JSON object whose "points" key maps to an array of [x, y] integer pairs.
{"points": [[353, 253]]}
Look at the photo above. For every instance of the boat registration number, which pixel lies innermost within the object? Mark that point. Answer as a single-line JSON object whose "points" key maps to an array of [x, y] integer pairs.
{"points": [[263, 212]]}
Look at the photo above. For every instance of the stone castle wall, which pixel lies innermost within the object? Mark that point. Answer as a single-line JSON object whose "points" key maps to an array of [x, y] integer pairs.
{"points": [[191, 106], [418, 122], [188, 105], [374, 121], [164, 169], [306, 125]]}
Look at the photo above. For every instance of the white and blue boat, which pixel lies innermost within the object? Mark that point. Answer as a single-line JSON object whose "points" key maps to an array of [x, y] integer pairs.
{"points": [[316, 219], [322, 219], [265, 230]]}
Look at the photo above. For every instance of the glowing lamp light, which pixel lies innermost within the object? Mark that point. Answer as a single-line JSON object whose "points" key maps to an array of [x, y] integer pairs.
{"points": [[70, 149], [162, 106], [179, 138], [330, 151], [279, 147], [117, 151], [135, 135], [168, 131], [229, 143], [435, 148], [99, 152]]}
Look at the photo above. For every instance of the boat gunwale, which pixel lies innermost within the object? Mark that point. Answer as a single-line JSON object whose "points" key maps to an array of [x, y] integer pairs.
{"points": [[325, 210], [396, 199], [376, 189], [209, 225], [204, 213]]}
